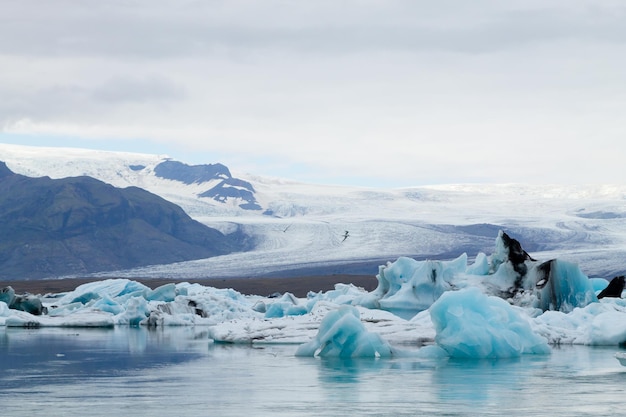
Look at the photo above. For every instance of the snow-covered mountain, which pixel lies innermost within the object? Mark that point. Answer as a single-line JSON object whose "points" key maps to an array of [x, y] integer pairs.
{"points": [[302, 228]]}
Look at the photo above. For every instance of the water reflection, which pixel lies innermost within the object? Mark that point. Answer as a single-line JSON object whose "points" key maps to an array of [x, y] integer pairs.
{"points": [[347, 371], [53, 355], [164, 371]]}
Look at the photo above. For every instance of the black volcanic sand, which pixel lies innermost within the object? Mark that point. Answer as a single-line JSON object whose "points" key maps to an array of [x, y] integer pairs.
{"points": [[298, 286]]}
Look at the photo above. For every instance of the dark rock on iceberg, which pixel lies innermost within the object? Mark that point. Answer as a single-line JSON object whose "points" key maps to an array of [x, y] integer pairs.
{"points": [[614, 289], [407, 286], [516, 254], [562, 286], [26, 302]]}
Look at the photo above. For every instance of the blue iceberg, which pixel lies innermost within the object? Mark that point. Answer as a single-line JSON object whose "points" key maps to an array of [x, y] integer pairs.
{"points": [[407, 286], [562, 286], [341, 334], [470, 324]]}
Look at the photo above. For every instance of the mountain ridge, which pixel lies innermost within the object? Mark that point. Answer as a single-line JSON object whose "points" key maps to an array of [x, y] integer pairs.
{"points": [[80, 225]]}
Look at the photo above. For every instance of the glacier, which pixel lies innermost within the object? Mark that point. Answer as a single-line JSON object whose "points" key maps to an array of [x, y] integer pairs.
{"points": [[300, 228], [502, 305]]}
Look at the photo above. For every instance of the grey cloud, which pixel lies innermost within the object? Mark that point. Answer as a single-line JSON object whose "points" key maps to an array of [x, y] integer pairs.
{"points": [[63, 101], [130, 89], [53, 101], [164, 29]]}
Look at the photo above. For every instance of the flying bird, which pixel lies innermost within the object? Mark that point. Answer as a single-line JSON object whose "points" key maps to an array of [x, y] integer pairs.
{"points": [[345, 236]]}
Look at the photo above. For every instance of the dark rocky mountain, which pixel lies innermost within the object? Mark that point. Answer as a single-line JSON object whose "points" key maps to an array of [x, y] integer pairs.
{"points": [[227, 186], [79, 225]]}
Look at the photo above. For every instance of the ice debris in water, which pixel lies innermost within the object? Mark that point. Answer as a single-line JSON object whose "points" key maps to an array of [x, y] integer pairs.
{"points": [[341, 334], [502, 305], [113, 302]]}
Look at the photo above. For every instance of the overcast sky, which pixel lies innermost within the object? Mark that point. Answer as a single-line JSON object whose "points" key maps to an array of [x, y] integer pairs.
{"points": [[373, 92]]}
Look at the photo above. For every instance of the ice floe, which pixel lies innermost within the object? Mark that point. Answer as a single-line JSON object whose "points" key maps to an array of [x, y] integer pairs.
{"points": [[503, 305]]}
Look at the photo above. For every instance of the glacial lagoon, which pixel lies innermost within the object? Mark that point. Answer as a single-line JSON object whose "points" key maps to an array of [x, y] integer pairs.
{"points": [[180, 371]]}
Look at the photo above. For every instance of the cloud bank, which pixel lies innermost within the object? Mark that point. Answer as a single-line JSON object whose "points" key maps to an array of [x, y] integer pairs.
{"points": [[390, 93]]}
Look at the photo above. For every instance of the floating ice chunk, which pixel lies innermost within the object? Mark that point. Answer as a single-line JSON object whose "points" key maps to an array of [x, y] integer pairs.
{"points": [[4, 309], [86, 297], [432, 352], [341, 334], [502, 281], [342, 294], [608, 328], [113, 288], [480, 265], [287, 305], [7, 295], [470, 324], [136, 311], [391, 277], [27, 302], [563, 286], [134, 289], [455, 266], [260, 307], [81, 318], [407, 286], [255, 330], [598, 284], [282, 309], [108, 305], [596, 324], [500, 254], [165, 293], [64, 309]]}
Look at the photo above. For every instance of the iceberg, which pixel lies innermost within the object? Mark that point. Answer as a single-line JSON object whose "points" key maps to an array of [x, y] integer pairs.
{"points": [[502, 305], [286, 305], [26, 302], [341, 334], [407, 286], [562, 286], [470, 324]]}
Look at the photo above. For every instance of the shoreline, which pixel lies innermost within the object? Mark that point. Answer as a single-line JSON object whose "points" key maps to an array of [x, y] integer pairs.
{"points": [[298, 285]]}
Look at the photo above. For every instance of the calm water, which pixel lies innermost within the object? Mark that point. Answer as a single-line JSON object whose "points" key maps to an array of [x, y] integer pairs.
{"points": [[173, 372]]}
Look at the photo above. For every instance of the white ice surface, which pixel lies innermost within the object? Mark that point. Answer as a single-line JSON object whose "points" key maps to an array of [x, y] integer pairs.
{"points": [[505, 330]]}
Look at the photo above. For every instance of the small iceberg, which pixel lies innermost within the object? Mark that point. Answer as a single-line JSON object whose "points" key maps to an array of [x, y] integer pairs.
{"points": [[341, 334]]}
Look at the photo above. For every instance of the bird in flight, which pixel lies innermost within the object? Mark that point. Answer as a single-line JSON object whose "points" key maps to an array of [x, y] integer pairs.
{"points": [[345, 236]]}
